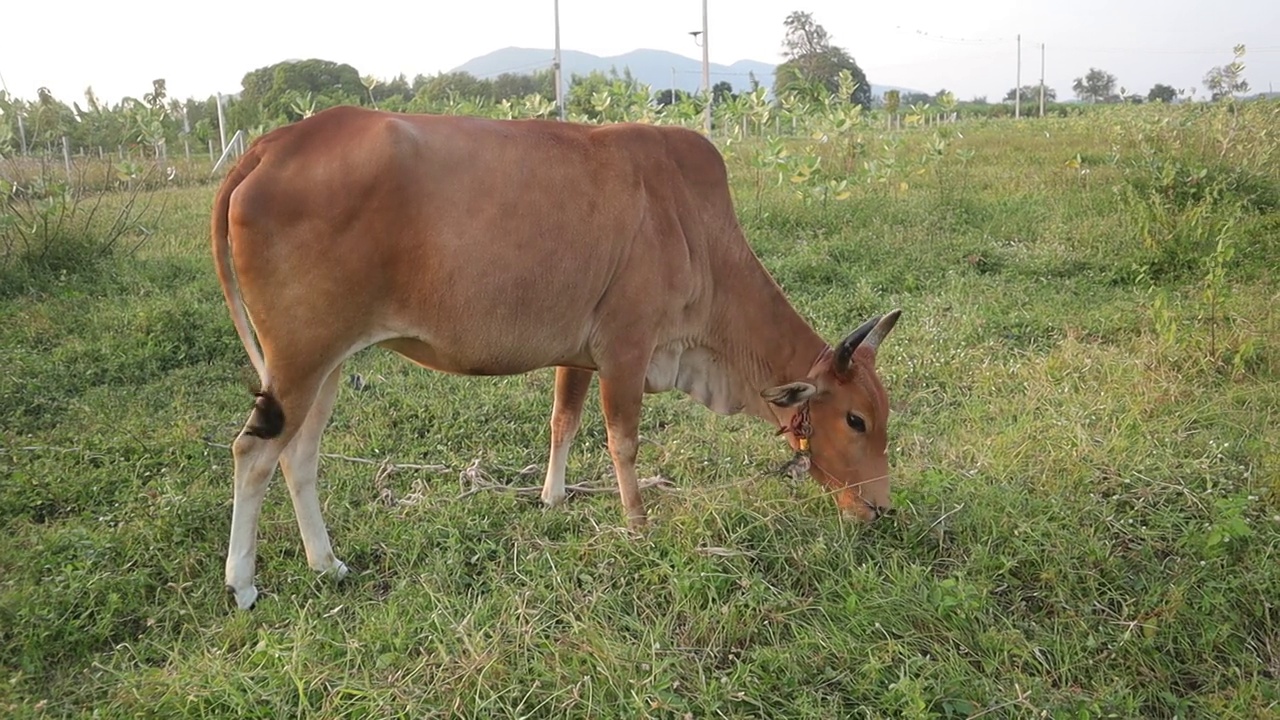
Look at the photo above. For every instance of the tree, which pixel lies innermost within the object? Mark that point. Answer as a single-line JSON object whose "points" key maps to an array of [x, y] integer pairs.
{"points": [[1030, 94], [50, 119], [722, 91], [892, 101], [663, 98], [155, 99], [1162, 92], [268, 92], [811, 58], [608, 98], [442, 85], [1227, 81], [1095, 85], [397, 87], [510, 86]]}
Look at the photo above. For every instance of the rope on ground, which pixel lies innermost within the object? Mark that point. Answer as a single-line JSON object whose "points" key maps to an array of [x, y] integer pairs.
{"points": [[473, 478]]}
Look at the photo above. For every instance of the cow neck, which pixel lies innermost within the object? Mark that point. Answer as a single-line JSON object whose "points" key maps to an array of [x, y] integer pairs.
{"points": [[775, 344]]}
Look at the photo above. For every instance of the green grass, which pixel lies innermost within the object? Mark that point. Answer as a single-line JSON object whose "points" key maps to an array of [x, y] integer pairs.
{"points": [[1088, 524]]}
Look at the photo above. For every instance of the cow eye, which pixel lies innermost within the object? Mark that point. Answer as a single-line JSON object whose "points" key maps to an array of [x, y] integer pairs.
{"points": [[857, 423]]}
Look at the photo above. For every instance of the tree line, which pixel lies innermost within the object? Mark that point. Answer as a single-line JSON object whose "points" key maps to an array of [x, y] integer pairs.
{"points": [[291, 90], [814, 69]]}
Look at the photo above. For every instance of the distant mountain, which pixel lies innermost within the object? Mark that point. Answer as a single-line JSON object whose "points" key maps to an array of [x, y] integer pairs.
{"points": [[651, 67]]}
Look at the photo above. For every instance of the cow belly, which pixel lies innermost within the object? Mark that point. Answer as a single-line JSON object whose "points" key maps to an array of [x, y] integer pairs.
{"points": [[507, 360]]}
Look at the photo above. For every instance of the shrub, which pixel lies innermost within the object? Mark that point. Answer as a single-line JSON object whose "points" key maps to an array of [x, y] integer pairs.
{"points": [[48, 229]]}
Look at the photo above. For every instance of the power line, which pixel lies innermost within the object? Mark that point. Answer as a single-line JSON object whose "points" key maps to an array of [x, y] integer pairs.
{"points": [[974, 41], [1154, 51], [527, 66], [716, 72], [953, 40]]}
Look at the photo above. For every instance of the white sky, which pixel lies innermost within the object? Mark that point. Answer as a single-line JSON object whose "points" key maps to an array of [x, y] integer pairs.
{"points": [[119, 47]]}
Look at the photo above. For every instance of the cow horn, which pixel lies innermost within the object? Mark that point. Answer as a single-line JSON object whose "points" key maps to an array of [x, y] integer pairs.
{"points": [[869, 333], [882, 329], [844, 351]]}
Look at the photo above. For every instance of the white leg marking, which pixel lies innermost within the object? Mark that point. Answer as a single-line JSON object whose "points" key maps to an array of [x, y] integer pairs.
{"points": [[566, 417], [553, 486], [300, 465], [255, 460]]}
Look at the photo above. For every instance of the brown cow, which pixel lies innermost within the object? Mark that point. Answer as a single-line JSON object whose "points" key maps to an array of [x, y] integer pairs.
{"points": [[489, 247]]}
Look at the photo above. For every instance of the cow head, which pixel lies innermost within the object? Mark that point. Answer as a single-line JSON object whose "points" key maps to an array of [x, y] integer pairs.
{"points": [[838, 421]]}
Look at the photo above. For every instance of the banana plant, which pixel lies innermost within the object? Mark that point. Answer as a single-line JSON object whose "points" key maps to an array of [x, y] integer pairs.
{"points": [[759, 110], [506, 110], [916, 113], [947, 102], [768, 159], [734, 113], [303, 104], [537, 106]]}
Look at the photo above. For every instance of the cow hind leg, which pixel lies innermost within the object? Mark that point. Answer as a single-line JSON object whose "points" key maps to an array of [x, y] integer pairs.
{"points": [[278, 415], [566, 418], [300, 464]]}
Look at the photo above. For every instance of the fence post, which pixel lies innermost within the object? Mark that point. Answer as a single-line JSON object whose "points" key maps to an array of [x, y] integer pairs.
{"points": [[22, 133], [66, 157]]}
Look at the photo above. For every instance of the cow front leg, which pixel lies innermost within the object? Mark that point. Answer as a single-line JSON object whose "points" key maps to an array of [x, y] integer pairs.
{"points": [[621, 397]]}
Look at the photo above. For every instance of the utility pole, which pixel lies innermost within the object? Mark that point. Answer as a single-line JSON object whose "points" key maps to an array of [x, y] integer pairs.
{"points": [[1017, 93], [559, 84], [706, 68], [1041, 79], [222, 125]]}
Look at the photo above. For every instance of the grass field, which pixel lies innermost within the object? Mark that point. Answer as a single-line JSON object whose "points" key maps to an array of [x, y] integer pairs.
{"points": [[1085, 441]]}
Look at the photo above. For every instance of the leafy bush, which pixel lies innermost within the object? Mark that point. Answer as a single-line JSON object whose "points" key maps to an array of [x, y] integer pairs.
{"points": [[49, 229]]}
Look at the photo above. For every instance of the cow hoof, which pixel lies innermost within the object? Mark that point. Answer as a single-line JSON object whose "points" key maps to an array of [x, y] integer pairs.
{"points": [[245, 597], [553, 499], [339, 570]]}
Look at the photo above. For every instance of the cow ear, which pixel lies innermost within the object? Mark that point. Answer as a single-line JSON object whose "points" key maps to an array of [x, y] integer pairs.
{"points": [[789, 395]]}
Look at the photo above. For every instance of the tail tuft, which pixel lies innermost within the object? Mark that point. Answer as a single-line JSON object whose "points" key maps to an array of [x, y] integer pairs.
{"points": [[267, 420]]}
